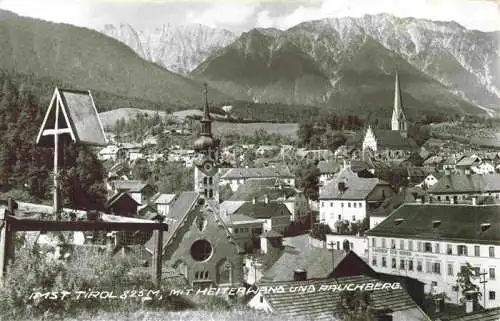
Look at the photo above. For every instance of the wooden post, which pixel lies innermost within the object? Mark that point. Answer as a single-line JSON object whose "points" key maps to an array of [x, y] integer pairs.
{"points": [[157, 256], [6, 243], [56, 154]]}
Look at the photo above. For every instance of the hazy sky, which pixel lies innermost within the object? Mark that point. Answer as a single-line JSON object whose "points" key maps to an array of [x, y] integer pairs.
{"points": [[242, 15]]}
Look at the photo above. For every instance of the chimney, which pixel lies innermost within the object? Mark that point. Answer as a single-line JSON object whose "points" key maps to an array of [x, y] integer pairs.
{"points": [[254, 200], [266, 199], [341, 187], [474, 200], [452, 200], [300, 275]]}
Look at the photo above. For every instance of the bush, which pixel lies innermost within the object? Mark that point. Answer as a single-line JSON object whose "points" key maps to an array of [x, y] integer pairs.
{"points": [[34, 271]]}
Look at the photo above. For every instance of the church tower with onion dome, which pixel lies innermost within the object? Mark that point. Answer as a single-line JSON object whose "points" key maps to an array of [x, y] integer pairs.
{"points": [[206, 171]]}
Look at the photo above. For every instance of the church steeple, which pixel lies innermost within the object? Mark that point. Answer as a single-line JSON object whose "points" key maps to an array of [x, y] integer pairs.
{"points": [[398, 117], [206, 121]]}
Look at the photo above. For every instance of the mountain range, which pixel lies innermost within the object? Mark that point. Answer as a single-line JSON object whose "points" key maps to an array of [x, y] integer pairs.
{"points": [[86, 59], [326, 61]]}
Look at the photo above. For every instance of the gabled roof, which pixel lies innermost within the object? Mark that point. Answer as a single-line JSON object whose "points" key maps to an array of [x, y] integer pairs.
{"points": [[357, 188], [180, 209], [78, 114], [264, 172], [474, 183], [468, 160], [298, 253], [263, 210], [132, 186], [407, 195], [165, 198], [459, 223], [321, 305], [393, 139], [329, 167], [258, 188], [119, 196]]}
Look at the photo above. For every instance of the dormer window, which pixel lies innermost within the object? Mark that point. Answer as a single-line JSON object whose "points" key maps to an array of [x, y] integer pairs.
{"points": [[436, 224], [398, 221], [485, 227]]}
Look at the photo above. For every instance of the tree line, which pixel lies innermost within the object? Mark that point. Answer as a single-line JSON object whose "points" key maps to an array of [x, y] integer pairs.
{"points": [[26, 169]]}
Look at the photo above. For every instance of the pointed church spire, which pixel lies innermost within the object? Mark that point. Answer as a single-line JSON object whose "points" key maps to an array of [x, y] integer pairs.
{"points": [[206, 121], [398, 117], [206, 111]]}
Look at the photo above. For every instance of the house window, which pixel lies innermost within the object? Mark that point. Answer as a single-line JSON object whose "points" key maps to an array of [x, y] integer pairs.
{"points": [[410, 265], [450, 269], [491, 251], [349, 204], [353, 218], [261, 299], [449, 250], [434, 284], [492, 295], [428, 267], [210, 193], [476, 271], [383, 243], [402, 264], [341, 204], [410, 245], [419, 265], [236, 231], [322, 205], [340, 217], [462, 250], [374, 242], [393, 263], [393, 244], [331, 204], [436, 268], [360, 205], [205, 180], [402, 244], [419, 246], [354, 205], [436, 248], [374, 261], [428, 247], [384, 261], [210, 180], [476, 250], [492, 273]]}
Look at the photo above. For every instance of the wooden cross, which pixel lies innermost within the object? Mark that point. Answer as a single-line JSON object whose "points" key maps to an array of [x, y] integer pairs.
{"points": [[56, 132]]}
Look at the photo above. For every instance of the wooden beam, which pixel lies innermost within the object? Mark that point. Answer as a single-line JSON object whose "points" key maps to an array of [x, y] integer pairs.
{"points": [[7, 233], [54, 226], [48, 132], [157, 257]]}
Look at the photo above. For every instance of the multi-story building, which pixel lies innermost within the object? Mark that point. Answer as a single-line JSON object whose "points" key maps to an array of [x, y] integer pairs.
{"points": [[351, 198], [235, 177], [431, 242], [457, 187]]}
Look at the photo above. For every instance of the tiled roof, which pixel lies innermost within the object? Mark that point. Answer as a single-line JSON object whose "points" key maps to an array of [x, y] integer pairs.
{"points": [[117, 196], [392, 139], [299, 254], [329, 167], [417, 171], [235, 218], [264, 172], [433, 160], [321, 305], [358, 166], [263, 210], [357, 188], [485, 315], [407, 195], [229, 207], [181, 207], [165, 198], [132, 186], [460, 223], [468, 160], [271, 233], [474, 183], [258, 188]]}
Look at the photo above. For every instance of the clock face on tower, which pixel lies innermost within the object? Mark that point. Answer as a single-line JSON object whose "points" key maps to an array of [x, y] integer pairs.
{"points": [[208, 168]]}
